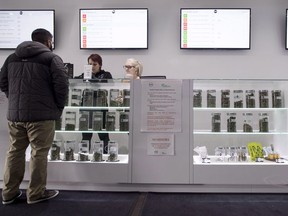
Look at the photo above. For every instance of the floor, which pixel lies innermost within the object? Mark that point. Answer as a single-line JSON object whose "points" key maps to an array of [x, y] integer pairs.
{"points": [[86, 203]]}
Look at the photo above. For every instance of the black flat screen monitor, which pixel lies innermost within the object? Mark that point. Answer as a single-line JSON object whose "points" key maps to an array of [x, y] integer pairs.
{"points": [[114, 28], [206, 28], [153, 77], [16, 26]]}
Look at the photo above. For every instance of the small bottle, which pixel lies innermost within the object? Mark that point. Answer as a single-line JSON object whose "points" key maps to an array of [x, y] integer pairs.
{"points": [[231, 122], [83, 154], [87, 97], [100, 98], [124, 121], [69, 147], [197, 98], [238, 98], [211, 98], [97, 151], [242, 154], [247, 122], [70, 121], [232, 154], [110, 121], [220, 153], [112, 151], [250, 98], [276, 98], [97, 121], [114, 95], [126, 98], [83, 120], [216, 122], [76, 95], [263, 122], [263, 99], [225, 98], [55, 150]]}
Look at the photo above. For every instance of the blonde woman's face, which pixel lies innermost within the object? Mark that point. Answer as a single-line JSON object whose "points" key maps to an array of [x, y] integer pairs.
{"points": [[131, 70]]}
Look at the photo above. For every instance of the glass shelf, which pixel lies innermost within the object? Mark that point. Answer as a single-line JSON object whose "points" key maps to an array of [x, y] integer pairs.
{"points": [[237, 133], [115, 132], [236, 109], [96, 108]]}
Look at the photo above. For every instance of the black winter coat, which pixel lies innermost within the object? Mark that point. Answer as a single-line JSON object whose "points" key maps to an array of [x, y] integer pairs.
{"points": [[35, 82]]}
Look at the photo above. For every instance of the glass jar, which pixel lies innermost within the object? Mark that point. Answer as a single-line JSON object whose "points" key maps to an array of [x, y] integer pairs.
{"points": [[231, 122], [232, 154], [225, 98], [55, 150], [112, 151], [276, 99], [76, 95], [216, 122], [83, 120], [88, 97], [84, 146], [70, 121], [97, 122], [124, 121], [83, 154], [238, 98], [243, 154], [211, 98], [69, 147], [247, 122], [126, 98], [197, 98], [114, 98], [110, 121], [97, 151], [220, 153], [250, 98], [263, 99], [100, 98], [263, 122]]}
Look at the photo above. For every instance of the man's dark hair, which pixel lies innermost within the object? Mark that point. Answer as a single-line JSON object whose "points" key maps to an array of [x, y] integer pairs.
{"points": [[41, 35]]}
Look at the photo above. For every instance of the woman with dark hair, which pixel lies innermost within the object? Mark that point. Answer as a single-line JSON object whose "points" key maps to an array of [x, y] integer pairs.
{"points": [[97, 72]]}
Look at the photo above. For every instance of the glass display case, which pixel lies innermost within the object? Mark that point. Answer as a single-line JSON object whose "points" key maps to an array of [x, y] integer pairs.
{"points": [[239, 129], [95, 112]]}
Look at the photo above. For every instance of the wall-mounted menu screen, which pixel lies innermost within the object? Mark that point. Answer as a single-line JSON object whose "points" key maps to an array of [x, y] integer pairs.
{"points": [[226, 28], [16, 26], [114, 28]]}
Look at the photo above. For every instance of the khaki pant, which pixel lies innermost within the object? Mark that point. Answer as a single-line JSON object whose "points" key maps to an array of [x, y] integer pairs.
{"points": [[40, 136]]}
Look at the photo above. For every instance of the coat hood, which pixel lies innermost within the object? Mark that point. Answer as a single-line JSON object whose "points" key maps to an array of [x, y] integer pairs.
{"points": [[30, 48]]}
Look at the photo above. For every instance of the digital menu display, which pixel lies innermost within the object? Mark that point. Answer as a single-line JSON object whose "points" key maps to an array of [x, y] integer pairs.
{"points": [[114, 28], [16, 26], [215, 28]]}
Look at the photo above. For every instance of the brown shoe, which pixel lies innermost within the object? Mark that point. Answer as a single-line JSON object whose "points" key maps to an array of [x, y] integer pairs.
{"points": [[7, 202], [48, 194]]}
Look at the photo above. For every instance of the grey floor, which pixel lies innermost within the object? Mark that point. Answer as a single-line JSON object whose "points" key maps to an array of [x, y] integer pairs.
{"points": [[88, 203]]}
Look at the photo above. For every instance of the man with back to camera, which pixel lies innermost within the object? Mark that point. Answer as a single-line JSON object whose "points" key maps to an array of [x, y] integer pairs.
{"points": [[36, 85]]}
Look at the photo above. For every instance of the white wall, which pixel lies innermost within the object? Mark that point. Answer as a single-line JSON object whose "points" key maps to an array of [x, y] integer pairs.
{"points": [[266, 59]]}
